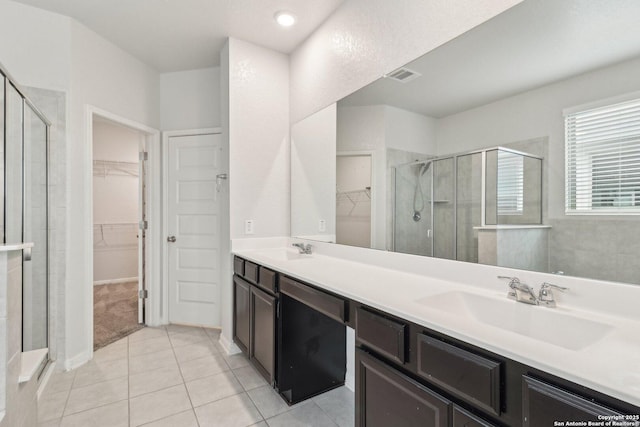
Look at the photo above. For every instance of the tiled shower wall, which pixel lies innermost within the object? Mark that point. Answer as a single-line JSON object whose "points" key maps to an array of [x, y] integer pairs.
{"points": [[595, 247], [53, 105]]}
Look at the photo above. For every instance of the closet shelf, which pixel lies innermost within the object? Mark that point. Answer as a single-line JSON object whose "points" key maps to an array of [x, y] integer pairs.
{"points": [[353, 197], [108, 236], [106, 168]]}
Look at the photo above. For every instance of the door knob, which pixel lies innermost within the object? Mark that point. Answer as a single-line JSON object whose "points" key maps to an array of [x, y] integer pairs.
{"points": [[171, 239]]}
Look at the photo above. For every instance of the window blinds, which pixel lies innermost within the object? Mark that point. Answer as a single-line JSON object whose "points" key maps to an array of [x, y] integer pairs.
{"points": [[510, 183], [603, 159]]}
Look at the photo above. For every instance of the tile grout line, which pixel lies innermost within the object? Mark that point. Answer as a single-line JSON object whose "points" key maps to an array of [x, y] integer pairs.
{"points": [[184, 383]]}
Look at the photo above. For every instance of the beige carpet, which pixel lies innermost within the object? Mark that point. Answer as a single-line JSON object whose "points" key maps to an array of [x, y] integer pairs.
{"points": [[115, 312]]}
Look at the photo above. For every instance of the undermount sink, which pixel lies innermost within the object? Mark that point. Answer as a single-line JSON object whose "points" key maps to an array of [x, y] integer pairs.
{"points": [[283, 254], [539, 323]]}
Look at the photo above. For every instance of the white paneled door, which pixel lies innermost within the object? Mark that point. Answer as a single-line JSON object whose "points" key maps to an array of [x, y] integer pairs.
{"points": [[193, 229]]}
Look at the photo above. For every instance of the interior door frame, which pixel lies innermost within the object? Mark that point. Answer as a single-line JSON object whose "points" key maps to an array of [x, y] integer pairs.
{"points": [[374, 189], [153, 215], [164, 303]]}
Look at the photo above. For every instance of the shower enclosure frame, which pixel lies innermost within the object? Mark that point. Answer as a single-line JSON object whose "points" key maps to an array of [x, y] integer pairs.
{"points": [[10, 82], [483, 188]]}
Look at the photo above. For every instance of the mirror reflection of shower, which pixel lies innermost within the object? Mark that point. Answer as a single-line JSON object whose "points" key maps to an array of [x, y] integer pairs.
{"points": [[453, 206], [418, 194]]}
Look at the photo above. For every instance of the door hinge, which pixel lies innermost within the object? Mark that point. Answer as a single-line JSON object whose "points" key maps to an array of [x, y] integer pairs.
{"points": [[143, 225], [143, 294], [144, 156]]}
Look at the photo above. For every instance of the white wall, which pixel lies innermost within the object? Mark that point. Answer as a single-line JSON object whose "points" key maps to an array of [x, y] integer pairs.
{"points": [[34, 46], [258, 139], [190, 99], [409, 131], [313, 175], [364, 39], [115, 201], [255, 130], [106, 77]]}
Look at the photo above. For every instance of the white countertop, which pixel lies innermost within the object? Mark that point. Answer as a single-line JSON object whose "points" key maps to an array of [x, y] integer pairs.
{"points": [[611, 365]]}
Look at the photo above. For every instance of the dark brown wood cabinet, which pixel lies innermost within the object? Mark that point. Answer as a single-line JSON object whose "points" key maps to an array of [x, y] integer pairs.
{"points": [[473, 377], [543, 404], [385, 397], [462, 418], [255, 309], [406, 374], [263, 336], [241, 313]]}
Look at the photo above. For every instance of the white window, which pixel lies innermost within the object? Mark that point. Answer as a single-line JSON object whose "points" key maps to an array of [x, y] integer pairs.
{"points": [[603, 159]]}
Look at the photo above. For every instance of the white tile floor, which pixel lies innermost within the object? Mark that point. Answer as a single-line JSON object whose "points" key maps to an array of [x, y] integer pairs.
{"points": [[178, 376]]}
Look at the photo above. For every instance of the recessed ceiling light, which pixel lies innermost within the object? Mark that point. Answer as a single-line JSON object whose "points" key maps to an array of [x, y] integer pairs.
{"points": [[285, 19]]}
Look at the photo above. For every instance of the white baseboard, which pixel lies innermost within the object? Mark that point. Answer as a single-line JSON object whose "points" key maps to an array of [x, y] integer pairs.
{"points": [[228, 346], [76, 361], [114, 281]]}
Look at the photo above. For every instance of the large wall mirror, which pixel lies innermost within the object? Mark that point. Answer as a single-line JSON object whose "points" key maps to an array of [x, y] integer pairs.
{"points": [[516, 144]]}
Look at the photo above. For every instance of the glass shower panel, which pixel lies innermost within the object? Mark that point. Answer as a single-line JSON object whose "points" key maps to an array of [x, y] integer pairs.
{"points": [[13, 165], [513, 190], [2, 159], [468, 203], [35, 271], [444, 208], [413, 226]]}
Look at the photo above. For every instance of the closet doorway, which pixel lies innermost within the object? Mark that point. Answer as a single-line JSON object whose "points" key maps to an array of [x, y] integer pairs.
{"points": [[354, 172], [118, 230]]}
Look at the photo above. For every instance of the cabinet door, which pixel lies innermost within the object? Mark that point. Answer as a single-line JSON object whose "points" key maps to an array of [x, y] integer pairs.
{"points": [[241, 313], [543, 404], [385, 397], [263, 338]]}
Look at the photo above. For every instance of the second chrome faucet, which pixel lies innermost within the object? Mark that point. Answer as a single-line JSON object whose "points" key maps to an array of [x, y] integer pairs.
{"points": [[524, 293]]}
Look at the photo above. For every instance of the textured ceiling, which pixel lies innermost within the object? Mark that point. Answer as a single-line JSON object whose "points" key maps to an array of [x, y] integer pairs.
{"points": [[535, 43], [174, 35]]}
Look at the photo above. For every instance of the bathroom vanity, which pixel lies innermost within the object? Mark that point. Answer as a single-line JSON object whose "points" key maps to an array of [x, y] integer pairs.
{"points": [[424, 362]]}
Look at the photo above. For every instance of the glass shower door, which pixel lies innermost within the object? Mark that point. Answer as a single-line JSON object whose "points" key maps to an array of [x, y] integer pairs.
{"points": [[413, 208], [35, 271]]}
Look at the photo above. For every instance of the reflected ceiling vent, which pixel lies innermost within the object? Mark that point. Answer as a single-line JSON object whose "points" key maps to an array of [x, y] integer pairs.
{"points": [[403, 75]]}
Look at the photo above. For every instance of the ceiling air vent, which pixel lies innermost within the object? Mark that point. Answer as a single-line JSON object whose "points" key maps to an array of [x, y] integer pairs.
{"points": [[403, 75]]}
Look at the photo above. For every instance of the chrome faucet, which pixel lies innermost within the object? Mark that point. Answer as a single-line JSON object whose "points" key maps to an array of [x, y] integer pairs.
{"points": [[545, 296], [520, 292], [302, 248]]}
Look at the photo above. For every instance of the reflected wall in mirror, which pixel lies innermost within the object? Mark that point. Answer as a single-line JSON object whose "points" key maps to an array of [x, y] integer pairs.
{"points": [[515, 144]]}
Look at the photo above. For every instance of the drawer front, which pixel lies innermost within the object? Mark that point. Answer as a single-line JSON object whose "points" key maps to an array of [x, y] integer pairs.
{"points": [[267, 279], [238, 266], [462, 418], [544, 403], [251, 271], [387, 398], [329, 305], [383, 335], [473, 377]]}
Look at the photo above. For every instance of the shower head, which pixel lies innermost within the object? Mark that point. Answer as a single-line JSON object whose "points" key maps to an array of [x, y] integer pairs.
{"points": [[424, 168]]}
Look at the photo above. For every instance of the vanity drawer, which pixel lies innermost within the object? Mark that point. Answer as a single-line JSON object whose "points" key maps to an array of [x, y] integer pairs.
{"points": [[267, 279], [466, 374], [462, 418], [381, 334], [323, 302], [251, 271], [238, 266], [545, 403]]}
